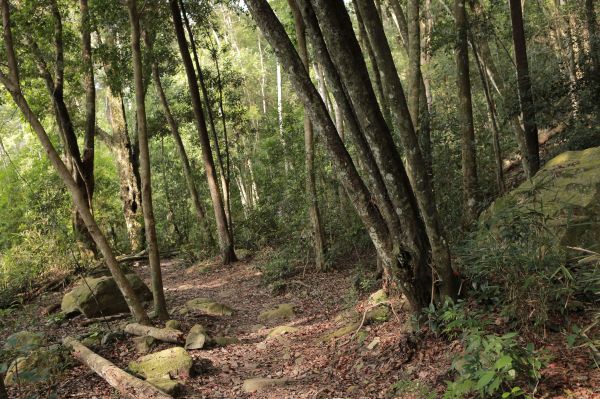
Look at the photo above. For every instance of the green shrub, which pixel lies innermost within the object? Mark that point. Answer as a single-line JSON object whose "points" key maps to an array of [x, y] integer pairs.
{"points": [[491, 365]]}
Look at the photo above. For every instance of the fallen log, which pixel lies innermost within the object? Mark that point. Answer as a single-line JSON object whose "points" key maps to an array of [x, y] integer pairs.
{"points": [[104, 319], [128, 386], [162, 334]]}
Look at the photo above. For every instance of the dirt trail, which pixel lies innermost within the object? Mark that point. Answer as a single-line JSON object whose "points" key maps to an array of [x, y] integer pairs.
{"points": [[342, 368]]}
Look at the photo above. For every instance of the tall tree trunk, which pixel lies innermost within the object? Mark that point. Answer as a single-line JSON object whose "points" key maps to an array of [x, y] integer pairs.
{"points": [[129, 187], [225, 243], [211, 121], [174, 128], [465, 115], [286, 162], [492, 116], [262, 74], [592, 28], [416, 167], [362, 35], [318, 237], [524, 84], [12, 84], [160, 304]]}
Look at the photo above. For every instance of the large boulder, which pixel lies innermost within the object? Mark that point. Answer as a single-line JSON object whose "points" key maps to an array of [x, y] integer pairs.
{"points": [[38, 366], [169, 363], [566, 192], [101, 297], [24, 341]]}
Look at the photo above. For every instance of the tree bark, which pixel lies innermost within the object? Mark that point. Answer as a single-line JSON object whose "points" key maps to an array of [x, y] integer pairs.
{"points": [[592, 28], [415, 163], [3, 392], [465, 115], [525, 92], [174, 128], [162, 334], [225, 243], [160, 304], [127, 385], [318, 237]]}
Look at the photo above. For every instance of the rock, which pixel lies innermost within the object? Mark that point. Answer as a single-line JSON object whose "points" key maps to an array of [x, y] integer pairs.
{"points": [[101, 297], [374, 343], [39, 366], [174, 324], [92, 340], [378, 297], [144, 344], [243, 254], [340, 332], [111, 337], [209, 307], [283, 311], [173, 362], [378, 314], [24, 341], [196, 338], [224, 341], [566, 191], [166, 384], [258, 384], [281, 330]]}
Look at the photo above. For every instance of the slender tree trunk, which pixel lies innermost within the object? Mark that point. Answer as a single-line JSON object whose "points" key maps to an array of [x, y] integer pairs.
{"points": [[275, 34], [491, 106], [211, 121], [524, 84], [416, 167], [414, 60], [362, 34], [592, 28], [465, 115], [262, 75], [225, 243], [286, 163], [160, 304], [12, 84], [187, 169], [318, 237]]}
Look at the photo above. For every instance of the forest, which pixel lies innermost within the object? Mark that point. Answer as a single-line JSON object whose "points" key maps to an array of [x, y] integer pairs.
{"points": [[300, 199]]}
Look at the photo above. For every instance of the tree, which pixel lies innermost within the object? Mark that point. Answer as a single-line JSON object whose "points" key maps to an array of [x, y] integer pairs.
{"points": [[11, 81], [160, 304], [404, 252], [465, 114], [318, 237], [532, 157], [225, 240]]}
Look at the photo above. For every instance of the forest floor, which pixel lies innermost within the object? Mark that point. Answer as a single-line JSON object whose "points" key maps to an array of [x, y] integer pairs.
{"points": [[347, 367]]}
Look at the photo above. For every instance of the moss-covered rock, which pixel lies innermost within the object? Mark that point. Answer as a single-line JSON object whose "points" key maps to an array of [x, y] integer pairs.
{"points": [[40, 365], [174, 324], [167, 385], [101, 297], [567, 192], [208, 307], [24, 341], [281, 330], [378, 297], [144, 344], [283, 311], [196, 338], [173, 362]]}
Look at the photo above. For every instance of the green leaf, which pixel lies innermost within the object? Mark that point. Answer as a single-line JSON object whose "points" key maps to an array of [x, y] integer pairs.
{"points": [[485, 379], [503, 362]]}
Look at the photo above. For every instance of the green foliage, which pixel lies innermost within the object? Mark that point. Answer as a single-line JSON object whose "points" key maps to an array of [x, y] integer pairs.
{"points": [[516, 263], [491, 365], [449, 319]]}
